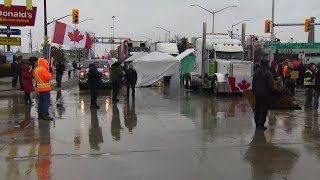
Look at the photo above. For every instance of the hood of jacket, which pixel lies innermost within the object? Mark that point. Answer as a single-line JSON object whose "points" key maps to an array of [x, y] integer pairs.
{"points": [[43, 63]]}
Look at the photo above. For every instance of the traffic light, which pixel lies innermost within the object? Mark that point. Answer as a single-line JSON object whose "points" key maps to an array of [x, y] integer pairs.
{"points": [[75, 16], [267, 27], [307, 25]]}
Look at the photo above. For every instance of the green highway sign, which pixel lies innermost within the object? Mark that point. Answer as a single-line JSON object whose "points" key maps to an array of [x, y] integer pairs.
{"points": [[277, 45]]}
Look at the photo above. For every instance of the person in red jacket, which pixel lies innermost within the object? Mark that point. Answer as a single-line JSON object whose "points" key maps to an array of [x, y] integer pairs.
{"points": [[43, 78], [27, 76]]}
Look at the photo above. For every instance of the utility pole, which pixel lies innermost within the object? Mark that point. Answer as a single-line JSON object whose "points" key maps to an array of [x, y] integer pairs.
{"points": [[312, 32], [8, 46], [30, 41], [113, 36], [243, 39], [45, 47], [272, 36], [204, 42]]}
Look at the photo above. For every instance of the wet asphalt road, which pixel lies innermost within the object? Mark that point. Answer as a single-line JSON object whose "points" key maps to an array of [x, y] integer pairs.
{"points": [[166, 134]]}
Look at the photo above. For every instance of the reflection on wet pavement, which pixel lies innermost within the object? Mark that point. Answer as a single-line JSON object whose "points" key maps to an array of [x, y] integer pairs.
{"points": [[166, 133], [95, 131], [267, 159]]}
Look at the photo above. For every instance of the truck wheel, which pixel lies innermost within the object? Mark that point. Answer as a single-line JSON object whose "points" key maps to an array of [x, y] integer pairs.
{"points": [[187, 81], [215, 85]]}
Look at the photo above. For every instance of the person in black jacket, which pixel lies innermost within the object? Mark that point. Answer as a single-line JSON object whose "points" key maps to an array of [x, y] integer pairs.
{"points": [[302, 69], [94, 78], [317, 88], [59, 73], [262, 86], [273, 70], [116, 77], [131, 80], [15, 73]]}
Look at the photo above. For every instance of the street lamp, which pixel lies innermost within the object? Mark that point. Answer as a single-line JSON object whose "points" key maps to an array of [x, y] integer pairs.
{"points": [[212, 12], [90, 19], [166, 31], [58, 19], [113, 17], [237, 24], [149, 39]]}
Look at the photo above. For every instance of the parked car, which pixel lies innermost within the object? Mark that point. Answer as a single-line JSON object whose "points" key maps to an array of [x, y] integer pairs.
{"points": [[104, 68]]}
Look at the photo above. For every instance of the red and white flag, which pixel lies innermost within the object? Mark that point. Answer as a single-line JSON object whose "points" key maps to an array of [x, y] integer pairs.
{"points": [[67, 35]]}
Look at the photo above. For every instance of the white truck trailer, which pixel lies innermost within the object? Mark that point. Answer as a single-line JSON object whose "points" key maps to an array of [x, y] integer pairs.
{"points": [[220, 66]]}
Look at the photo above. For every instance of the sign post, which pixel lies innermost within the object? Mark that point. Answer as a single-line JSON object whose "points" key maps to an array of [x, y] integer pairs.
{"points": [[283, 46], [12, 41], [10, 31], [9, 56]]}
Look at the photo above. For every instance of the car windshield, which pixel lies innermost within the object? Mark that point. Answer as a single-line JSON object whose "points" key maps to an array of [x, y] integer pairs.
{"points": [[102, 64], [229, 55]]}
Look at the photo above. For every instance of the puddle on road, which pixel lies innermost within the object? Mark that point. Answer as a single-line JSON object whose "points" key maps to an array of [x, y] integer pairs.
{"points": [[160, 122]]}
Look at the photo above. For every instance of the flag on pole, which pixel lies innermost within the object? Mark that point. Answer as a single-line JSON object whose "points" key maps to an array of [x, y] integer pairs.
{"points": [[67, 35]]}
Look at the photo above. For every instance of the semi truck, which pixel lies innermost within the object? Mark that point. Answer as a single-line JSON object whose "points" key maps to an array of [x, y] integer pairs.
{"points": [[220, 65]]}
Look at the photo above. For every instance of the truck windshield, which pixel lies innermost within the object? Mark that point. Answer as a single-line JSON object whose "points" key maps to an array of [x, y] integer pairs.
{"points": [[229, 55]]}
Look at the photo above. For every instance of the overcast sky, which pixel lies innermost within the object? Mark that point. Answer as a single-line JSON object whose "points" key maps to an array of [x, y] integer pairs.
{"points": [[136, 18]]}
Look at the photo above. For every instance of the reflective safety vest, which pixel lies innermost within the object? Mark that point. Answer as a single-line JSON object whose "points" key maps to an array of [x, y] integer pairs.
{"points": [[42, 85], [309, 81]]}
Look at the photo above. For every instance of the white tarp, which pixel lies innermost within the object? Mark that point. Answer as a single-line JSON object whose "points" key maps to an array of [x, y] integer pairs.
{"points": [[154, 66], [136, 56]]}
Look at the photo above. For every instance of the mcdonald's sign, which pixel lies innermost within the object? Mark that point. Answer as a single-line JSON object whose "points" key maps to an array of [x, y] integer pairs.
{"points": [[11, 15], [8, 3]]}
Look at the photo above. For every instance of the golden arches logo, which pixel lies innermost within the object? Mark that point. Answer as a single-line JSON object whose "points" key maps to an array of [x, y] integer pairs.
{"points": [[8, 3]]}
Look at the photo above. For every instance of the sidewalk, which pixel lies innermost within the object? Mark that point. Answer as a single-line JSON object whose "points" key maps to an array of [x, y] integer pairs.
{"points": [[5, 83]]}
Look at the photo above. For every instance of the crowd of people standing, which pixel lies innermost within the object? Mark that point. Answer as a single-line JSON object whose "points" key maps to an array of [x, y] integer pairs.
{"points": [[27, 71], [288, 74], [116, 75]]}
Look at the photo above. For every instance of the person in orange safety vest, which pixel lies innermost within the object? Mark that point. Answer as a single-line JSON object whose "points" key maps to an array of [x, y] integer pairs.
{"points": [[43, 78]]}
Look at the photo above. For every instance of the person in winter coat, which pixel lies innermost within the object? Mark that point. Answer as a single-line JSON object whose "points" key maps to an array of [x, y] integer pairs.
{"points": [[94, 78], [309, 83], [301, 68], [69, 69], [273, 70], [262, 86], [131, 80], [75, 67], [43, 78], [59, 73], [27, 76], [288, 81], [15, 73], [116, 76]]}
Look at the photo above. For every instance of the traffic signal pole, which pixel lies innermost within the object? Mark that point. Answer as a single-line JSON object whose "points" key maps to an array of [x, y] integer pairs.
{"points": [[45, 48], [272, 36]]}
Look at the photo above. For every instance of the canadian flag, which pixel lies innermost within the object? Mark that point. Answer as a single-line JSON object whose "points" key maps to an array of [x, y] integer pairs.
{"points": [[67, 35]]}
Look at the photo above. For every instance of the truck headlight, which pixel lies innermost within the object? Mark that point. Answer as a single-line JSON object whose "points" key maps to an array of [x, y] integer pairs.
{"points": [[106, 74]]}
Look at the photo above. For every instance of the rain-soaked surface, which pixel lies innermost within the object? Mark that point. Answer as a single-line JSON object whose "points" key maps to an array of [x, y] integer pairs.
{"points": [[164, 134]]}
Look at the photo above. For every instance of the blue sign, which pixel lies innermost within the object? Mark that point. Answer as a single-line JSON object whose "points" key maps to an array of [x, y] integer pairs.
{"points": [[9, 57], [10, 31]]}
